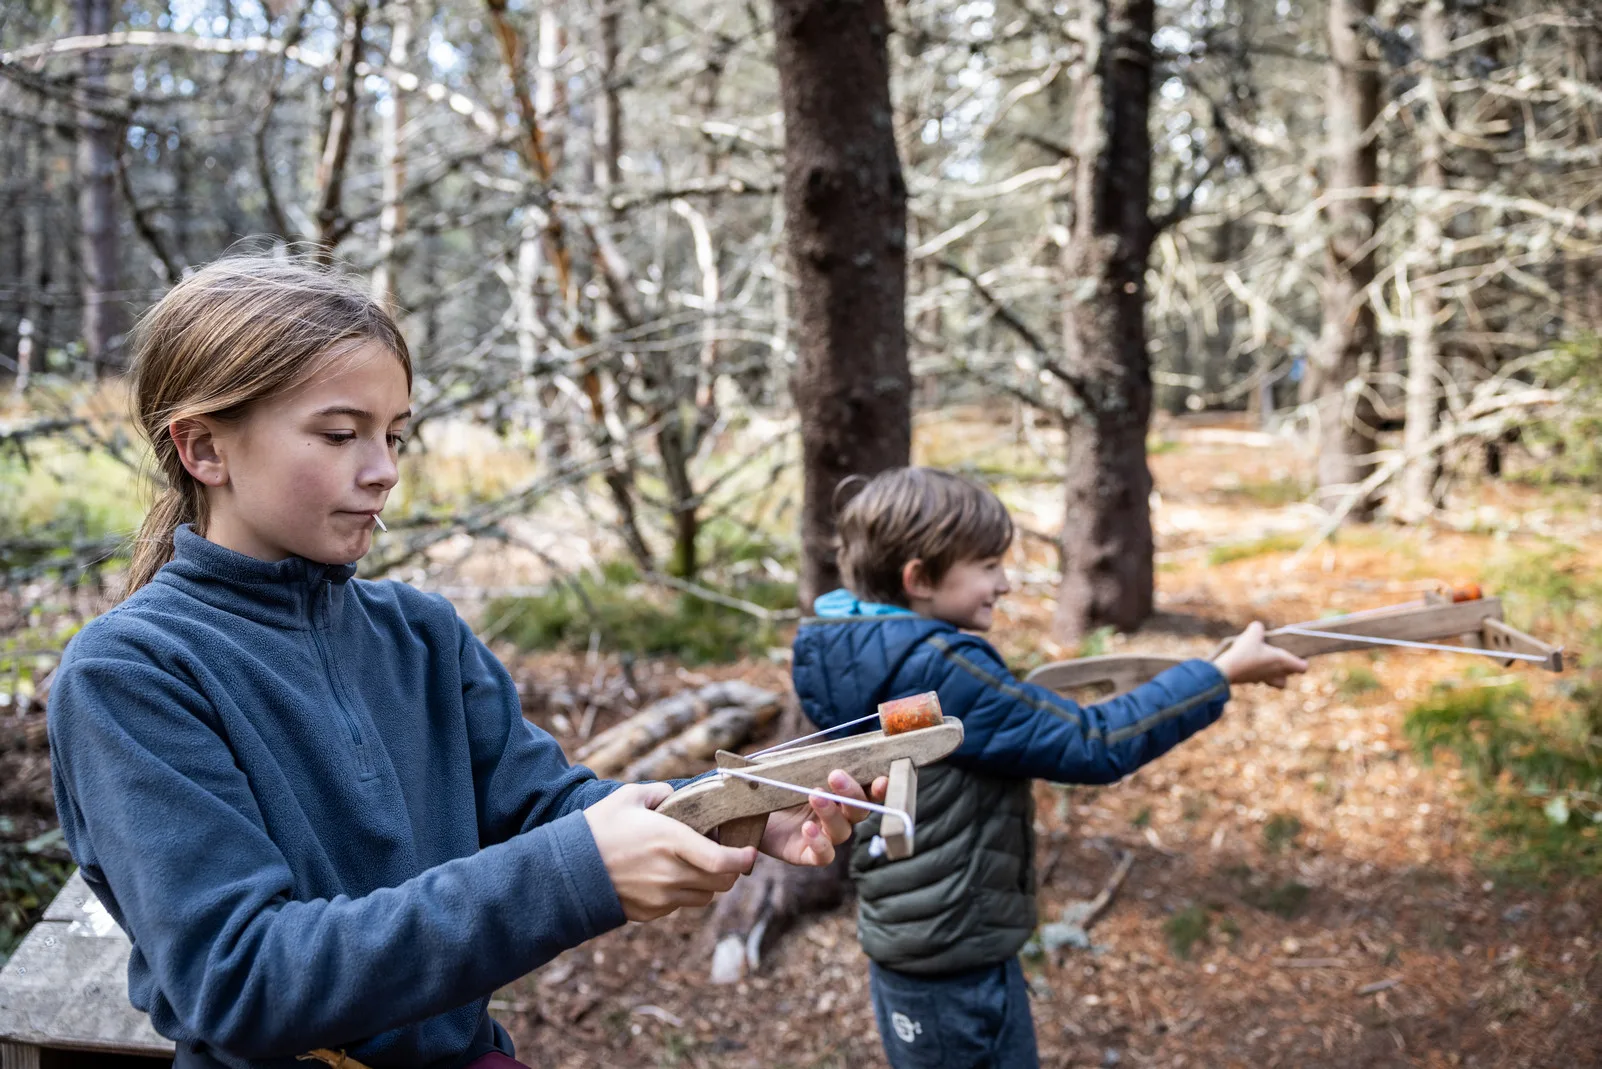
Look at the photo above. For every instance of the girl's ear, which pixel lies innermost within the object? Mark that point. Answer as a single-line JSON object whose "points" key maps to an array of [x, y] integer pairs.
{"points": [[915, 580], [196, 441]]}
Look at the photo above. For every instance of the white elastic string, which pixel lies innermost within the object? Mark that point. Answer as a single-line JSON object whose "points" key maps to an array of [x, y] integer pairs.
{"points": [[1406, 644], [814, 735], [855, 803]]}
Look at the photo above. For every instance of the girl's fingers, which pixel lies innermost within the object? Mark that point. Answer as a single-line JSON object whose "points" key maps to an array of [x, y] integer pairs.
{"points": [[646, 795]]}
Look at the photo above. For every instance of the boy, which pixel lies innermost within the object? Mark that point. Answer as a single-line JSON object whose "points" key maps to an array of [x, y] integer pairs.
{"points": [[921, 553]]}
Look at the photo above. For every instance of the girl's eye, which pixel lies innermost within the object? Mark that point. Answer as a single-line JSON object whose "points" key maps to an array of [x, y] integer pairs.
{"points": [[397, 441], [339, 437]]}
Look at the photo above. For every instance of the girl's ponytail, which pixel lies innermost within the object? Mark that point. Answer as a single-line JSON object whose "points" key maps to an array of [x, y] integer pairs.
{"points": [[153, 544], [233, 333]]}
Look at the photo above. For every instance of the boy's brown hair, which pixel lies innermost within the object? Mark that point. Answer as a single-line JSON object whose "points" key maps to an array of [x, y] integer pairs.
{"points": [[916, 514]]}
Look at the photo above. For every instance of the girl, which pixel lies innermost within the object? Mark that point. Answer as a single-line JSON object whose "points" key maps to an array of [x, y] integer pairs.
{"points": [[312, 801]]}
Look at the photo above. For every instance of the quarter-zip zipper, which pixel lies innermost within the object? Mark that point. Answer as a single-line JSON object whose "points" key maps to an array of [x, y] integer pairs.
{"points": [[319, 617]]}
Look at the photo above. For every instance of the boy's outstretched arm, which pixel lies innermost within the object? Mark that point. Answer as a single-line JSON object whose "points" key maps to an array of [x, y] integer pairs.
{"points": [[1021, 729]]}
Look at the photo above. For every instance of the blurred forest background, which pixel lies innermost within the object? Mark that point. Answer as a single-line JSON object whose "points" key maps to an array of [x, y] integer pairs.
{"points": [[1248, 308]]}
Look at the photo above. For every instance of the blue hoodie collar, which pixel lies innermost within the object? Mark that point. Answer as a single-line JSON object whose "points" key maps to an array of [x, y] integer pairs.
{"points": [[286, 593], [840, 603]]}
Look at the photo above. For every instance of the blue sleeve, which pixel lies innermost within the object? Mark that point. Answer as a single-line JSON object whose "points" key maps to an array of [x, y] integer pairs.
{"points": [[1020, 729], [209, 899], [522, 777]]}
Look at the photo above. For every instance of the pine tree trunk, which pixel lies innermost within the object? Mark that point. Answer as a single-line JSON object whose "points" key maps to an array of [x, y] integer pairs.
{"points": [[1107, 534], [845, 208], [1348, 342], [845, 212]]}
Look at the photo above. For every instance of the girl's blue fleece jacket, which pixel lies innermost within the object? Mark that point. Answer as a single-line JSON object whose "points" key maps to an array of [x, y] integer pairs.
{"points": [[314, 805]]}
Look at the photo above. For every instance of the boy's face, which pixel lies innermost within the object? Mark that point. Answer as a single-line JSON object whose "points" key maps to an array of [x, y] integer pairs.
{"points": [[965, 596], [303, 474]]}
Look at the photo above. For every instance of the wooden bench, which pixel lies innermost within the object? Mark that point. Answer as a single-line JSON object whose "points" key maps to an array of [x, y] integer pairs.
{"points": [[64, 994]]}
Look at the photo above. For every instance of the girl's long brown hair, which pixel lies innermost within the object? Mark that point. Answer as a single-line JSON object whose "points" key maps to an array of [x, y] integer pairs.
{"points": [[235, 332]]}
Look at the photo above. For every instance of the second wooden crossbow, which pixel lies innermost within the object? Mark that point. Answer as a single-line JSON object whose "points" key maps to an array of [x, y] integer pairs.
{"points": [[1465, 616]]}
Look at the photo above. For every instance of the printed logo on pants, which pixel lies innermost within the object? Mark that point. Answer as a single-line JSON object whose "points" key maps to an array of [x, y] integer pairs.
{"points": [[906, 1028]]}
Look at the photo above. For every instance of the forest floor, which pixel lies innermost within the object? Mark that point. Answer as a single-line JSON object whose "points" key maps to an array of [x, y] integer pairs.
{"points": [[1346, 909], [1305, 889]]}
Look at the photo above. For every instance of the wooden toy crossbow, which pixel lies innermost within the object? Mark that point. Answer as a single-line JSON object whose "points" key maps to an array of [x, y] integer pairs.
{"points": [[737, 797], [1465, 615]]}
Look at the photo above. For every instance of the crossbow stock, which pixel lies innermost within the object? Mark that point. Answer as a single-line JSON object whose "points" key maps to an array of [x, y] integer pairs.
{"points": [[735, 801], [1474, 621]]}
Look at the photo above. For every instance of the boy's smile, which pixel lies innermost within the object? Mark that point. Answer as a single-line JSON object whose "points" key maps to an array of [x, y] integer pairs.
{"points": [[304, 473], [965, 595]]}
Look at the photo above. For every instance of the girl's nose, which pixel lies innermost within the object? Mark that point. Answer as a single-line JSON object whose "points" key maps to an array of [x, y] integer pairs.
{"points": [[380, 470]]}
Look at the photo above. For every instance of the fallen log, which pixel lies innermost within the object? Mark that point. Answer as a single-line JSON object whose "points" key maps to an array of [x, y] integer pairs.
{"points": [[614, 749], [693, 751]]}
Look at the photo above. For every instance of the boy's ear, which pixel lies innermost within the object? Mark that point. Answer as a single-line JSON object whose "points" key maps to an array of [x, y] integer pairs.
{"points": [[915, 580], [196, 441]]}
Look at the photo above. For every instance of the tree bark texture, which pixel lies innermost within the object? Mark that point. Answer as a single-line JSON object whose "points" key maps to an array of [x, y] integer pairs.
{"points": [[1422, 473], [1107, 535], [392, 127], [331, 223], [1348, 341], [845, 208], [99, 248]]}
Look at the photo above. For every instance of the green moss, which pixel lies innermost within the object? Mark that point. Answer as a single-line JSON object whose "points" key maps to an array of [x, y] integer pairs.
{"points": [[630, 616], [1286, 899], [30, 875], [1280, 831], [1230, 552], [1535, 783], [59, 505], [1358, 681], [1095, 643], [1268, 493], [1185, 929]]}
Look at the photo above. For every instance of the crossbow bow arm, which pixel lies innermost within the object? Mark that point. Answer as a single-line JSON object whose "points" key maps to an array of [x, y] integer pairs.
{"points": [[1113, 672], [1476, 622]]}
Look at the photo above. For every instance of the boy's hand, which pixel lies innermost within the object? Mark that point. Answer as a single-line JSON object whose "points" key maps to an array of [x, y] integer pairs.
{"points": [[656, 863], [807, 834], [1250, 659]]}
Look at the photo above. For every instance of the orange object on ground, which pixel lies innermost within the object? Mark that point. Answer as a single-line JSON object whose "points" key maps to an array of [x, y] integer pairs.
{"points": [[1466, 592], [910, 714]]}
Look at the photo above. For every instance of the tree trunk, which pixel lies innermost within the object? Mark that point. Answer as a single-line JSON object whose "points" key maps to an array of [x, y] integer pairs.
{"points": [[1107, 536], [99, 249], [341, 132], [1348, 344], [609, 115], [1422, 473], [845, 212], [392, 218]]}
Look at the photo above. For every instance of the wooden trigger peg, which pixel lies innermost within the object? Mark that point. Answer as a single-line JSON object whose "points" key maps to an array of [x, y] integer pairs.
{"points": [[744, 831], [902, 795]]}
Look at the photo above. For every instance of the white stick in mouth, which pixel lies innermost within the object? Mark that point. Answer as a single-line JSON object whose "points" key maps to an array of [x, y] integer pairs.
{"points": [[380, 521]]}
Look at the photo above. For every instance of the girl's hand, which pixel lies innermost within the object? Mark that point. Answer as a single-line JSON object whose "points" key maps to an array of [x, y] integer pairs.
{"points": [[1250, 659], [807, 834], [656, 863]]}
